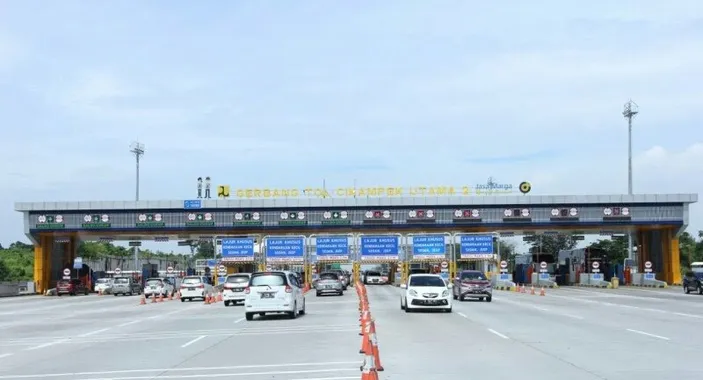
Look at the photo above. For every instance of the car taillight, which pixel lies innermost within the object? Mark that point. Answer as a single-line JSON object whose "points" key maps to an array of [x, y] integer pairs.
{"points": [[201, 286], [289, 289], [247, 290], [183, 286]]}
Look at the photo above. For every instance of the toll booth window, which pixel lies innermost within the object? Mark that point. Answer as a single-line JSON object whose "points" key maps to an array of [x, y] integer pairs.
{"points": [[237, 279], [473, 276], [426, 281]]}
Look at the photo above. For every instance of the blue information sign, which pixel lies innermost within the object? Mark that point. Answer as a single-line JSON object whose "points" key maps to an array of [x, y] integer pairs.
{"points": [[505, 277], [544, 276], [192, 204], [332, 247], [428, 246], [285, 249], [221, 280], [476, 246], [238, 249], [597, 277], [649, 276], [379, 247]]}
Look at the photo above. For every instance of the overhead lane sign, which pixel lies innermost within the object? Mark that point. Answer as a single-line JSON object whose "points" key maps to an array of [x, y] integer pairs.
{"points": [[332, 248], [238, 249], [428, 246], [382, 247], [284, 249], [476, 246]]}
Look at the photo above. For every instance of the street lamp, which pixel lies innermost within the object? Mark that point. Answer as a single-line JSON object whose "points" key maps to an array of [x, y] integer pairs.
{"points": [[631, 109]]}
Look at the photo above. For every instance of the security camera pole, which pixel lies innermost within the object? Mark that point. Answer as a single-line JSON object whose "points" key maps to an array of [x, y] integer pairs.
{"points": [[631, 109], [137, 149]]}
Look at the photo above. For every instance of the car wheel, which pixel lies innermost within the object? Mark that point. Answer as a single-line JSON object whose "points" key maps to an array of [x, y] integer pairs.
{"points": [[686, 289], [226, 303], [302, 312], [407, 309], [401, 305], [489, 298], [116, 295], [448, 310], [317, 294], [183, 300], [249, 316], [130, 294], [700, 290], [294, 314]]}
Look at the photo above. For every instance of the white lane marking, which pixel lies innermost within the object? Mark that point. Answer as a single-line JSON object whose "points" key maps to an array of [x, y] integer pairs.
{"points": [[498, 334], [154, 317], [46, 345], [648, 334], [541, 309], [194, 340], [660, 311], [4, 355], [93, 332], [184, 369], [462, 315], [129, 323], [237, 374], [239, 320]]}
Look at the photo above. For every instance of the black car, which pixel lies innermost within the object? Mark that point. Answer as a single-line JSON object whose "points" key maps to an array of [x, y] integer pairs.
{"points": [[692, 282]]}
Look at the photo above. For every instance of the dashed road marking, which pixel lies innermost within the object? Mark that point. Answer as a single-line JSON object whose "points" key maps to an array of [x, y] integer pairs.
{"points": [[4, 355], [129, 323], [194, 341], [648, 334], [46, 345], [93, 332], [498, 334], [239, 320]]}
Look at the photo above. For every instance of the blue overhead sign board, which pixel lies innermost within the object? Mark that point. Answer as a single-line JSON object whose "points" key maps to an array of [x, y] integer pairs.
{"points": [[383, 247], [428, 246], [476, 246], [238, 249], [285, 249], [192, 204], [332, 248]]}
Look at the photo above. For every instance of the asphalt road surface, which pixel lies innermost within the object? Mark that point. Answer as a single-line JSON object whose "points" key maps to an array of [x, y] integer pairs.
{"points": [[573, 333]]}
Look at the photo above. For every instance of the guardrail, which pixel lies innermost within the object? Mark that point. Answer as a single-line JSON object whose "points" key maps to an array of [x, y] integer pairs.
{"points": [[13, 289]]}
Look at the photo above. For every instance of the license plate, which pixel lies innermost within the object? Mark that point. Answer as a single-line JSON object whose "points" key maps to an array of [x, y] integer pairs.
{"points": [[191, 288], [266, 295]]}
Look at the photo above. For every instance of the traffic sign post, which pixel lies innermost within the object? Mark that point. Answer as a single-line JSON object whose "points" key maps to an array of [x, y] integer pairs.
{"points": [[543, 267], [596, 267], [118, 271], [648, 267], [504, 266], [445, 266], [169, 270], [66, 274], [221, 270]]}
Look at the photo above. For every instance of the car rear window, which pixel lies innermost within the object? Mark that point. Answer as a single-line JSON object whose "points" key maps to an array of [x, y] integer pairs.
{"points": [[473, 276], [329, 276], [121, 281], [426, 281], [154, 283], [268, 279], [63, 283], [237, 279], [373, 274], [103, 281], [191, 280]]}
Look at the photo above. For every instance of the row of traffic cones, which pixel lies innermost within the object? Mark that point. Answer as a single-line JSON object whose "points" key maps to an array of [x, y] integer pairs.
{"points": [[212, 298], [523, 289], [160, 298], [369, 343]]}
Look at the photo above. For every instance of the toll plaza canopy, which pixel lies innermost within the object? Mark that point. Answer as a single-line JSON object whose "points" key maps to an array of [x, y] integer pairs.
{"points": [[376, 226]]}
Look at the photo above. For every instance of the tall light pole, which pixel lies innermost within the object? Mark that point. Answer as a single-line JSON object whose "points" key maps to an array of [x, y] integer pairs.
{"points": [[630, 110], [137, 149]]}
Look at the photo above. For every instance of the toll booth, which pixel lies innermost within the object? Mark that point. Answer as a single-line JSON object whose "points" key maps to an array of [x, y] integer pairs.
{"points": [[238, 255], [328, 250], [382, 249], [475, 252], [285, 253], [430, 253]]}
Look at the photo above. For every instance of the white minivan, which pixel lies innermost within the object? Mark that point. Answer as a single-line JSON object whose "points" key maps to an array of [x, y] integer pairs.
{"points": [[233, 288], [274, 292], [195, 287]]}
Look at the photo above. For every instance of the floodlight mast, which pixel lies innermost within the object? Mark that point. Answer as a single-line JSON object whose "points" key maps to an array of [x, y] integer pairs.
{"points": [[137, 149], [630, 110]]}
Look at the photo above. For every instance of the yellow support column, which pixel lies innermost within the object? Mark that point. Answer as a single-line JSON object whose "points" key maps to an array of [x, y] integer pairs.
{"points": [[674, 259], [42, 263]]}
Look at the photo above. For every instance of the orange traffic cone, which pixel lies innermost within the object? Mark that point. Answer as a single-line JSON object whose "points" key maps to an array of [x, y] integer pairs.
{"points": [[219, 297], [100, 292], [368, 368], [161, 297], [374, 347], [153, 298], [207, 300], [143, 300], [170, 296], [178, 295], [542, 292], [366, 338], [532, 290], [365, 317]]}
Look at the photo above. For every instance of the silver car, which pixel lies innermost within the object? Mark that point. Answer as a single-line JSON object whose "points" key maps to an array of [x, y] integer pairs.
{"points": [[158, 286], [329, 283]]}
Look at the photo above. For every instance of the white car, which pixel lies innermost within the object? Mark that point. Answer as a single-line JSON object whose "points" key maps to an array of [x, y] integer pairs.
{"points": [[426, 292], [195, 287], [233, 288], [373, 277], [103, 285], [274, 292], [158, 286]]}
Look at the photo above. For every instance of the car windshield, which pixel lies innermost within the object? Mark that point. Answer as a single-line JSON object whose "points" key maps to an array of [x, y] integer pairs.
{"points": [[329, 276], [154, 283], [268, 279], [373, 274], [432, 281], [470, 276], [191, 280], [103, 281], [121, 281], [237, 279]]}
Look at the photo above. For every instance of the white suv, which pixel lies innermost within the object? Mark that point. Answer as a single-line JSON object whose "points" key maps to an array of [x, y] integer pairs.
{"points": [[195, 287], [426, 292], [233, 288], [274, 292]]}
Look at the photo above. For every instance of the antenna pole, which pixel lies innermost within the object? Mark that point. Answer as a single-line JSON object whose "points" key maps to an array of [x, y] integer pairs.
{"points": [[138, 150], [631, 109]]}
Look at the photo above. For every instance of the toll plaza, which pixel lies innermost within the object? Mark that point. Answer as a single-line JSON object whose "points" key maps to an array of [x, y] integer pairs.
{"points": [[401, 232]]}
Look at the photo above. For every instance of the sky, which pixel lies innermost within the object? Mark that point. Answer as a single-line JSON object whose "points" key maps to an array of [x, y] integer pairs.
{"points": [[394, 93]]}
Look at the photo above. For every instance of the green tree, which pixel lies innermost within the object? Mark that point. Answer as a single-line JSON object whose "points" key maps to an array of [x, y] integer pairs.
{"points": [[615, 248], [204, 250], [552, 244]]}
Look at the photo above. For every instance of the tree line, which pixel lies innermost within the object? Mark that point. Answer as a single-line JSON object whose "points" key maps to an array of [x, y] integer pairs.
{"points": [[17, 260]]}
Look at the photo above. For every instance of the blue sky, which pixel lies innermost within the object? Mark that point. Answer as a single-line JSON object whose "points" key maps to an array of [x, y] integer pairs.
{"points": [[286, 94]]}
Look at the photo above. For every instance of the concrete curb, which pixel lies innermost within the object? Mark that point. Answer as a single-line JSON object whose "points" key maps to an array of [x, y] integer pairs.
{"points": [[604, 286], [649, 286], [505, 288]]}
